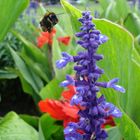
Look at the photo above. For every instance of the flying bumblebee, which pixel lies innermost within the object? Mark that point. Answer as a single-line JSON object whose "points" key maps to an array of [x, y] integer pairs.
{"points": [[48, 21]]}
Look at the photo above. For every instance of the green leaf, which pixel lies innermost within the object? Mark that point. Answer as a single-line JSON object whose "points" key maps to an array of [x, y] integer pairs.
{"points": [[128, 128], [110, 12], [35, 55], [35, 70], [116, 10], [137, 43], [27, 88], [136, 56], [114, 134], [73, 12], [31, 120], [104, 4], [51, 90], [24, 70], [132, 23], [56, 55], [5, 74], [47, 127], [10, 10], [133, 103], [122, 8], [12, 127]]}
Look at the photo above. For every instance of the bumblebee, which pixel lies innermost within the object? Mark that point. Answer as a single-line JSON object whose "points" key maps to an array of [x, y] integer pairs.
{"points": [[48, 21]]}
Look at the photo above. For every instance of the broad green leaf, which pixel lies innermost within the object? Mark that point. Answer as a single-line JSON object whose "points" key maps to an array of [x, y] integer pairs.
{"points": [[12, 127], [10, 10], [51, 90], [117, 56], [47, 127], [132, 23]]}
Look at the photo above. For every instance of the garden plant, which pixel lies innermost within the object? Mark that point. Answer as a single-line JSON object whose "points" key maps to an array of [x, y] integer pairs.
{"points": [[78, 81]]}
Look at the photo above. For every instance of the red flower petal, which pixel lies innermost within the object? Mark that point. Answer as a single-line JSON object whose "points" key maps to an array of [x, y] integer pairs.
{"points": [[46, 37], [41, 40], [70, 111], [65, 40], [68, 94], [109, 121], [60, 110], [53, 107]]}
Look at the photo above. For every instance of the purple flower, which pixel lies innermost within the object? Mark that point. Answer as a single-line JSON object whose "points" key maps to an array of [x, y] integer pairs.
{"points": [[111, 84], [64, 61], [94, 108], [112, 110], [69, 81]]}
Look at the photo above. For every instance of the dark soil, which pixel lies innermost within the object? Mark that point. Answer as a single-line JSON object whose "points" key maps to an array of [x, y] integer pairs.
{"points": [[12, 98]]}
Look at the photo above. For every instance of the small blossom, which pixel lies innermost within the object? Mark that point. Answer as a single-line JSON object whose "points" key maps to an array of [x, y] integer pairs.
{"points": [[76, 99], [112, 110], [103, 38], [65, 40], [68, 94], [69, 81], [111, 84], [109, 121], [64, 60], [45, 38]]}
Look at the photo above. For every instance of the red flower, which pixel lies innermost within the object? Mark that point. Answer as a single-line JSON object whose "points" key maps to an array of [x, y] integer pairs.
{"points": [[61, 110], [65, 40], [45, 37], [67, 94]]}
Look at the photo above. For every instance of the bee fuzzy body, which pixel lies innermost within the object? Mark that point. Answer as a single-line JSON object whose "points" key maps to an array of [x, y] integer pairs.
{"points": [[48, 21]]}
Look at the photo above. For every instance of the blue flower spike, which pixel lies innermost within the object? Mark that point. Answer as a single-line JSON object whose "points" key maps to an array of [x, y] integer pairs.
{"points": [[93, 109]]}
